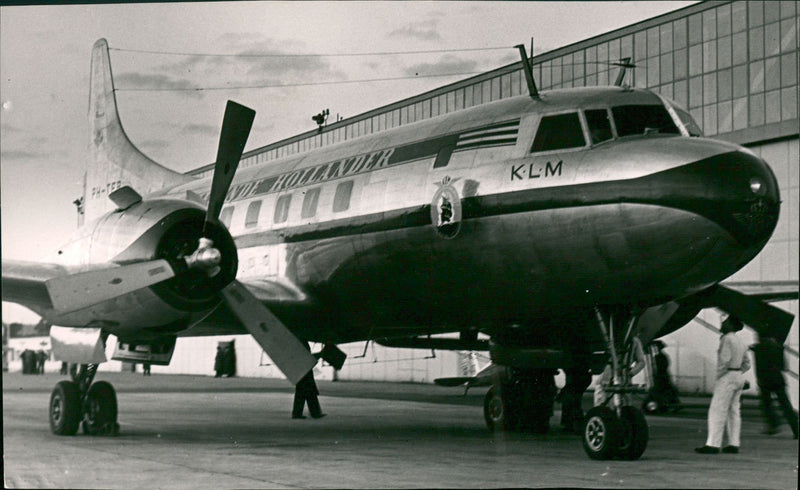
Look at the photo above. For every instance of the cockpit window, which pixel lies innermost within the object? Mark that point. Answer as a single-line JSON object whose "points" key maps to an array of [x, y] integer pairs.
{"points": [[559, 132], [643, 119], [599, 125], [688, 122]]}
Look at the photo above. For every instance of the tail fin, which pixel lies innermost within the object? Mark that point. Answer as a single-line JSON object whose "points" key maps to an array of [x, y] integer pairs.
{"points": [[115, 161]]}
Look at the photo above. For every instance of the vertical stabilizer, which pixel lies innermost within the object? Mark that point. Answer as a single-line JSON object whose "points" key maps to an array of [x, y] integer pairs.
{"points": [[114, 161]]}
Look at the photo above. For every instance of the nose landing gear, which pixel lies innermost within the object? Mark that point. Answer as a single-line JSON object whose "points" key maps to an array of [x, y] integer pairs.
{"points": [[615, 428]]}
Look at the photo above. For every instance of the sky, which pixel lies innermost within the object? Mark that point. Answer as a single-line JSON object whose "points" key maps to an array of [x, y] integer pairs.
{"points": [[44, 79]]}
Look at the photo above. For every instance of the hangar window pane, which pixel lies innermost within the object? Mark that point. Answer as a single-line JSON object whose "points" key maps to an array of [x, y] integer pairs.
{"points": [[709, 56], [772, 42], [602, 52], [599, 125], [739, 16], [653, 72], [578, 69], [757, 77], [459, 96], [695, 29], [559, 132], [556, 76], [724, 85], [652, 41], [696, 60], [789, 103], [639, 48], [515, 84], [757, 110], [679, 33], [666, 68], [679, 93], [625, 48], [468, 101], [710, 120], [788, 69], [739, 48], [739, 113], [724, 20], [772, 77], [680, 64], [710, 88], [709, 24], [772, 105], [251, 218], [546, 75], [426, 108], [226, 215], [757, 43], [282, 209], [788, 9], [772, 11], [486, 89], [739, 81], [591, 58], [566, 68], [643, 119], [495, 84], [755, 13], [665, 31], [695, 92], [724, 52], [341, 200], [788, 35], [725, 114], [310, 202]]}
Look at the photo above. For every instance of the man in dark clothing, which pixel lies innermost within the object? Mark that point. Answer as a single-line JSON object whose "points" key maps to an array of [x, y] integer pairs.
{"points": [[663, 388], [769, 372], [306, 392], [577, 380]]}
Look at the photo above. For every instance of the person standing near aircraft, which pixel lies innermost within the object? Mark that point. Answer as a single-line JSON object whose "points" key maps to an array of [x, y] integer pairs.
{"points": [[663, 389], [724, 412], [769, 372], [305, 391]]}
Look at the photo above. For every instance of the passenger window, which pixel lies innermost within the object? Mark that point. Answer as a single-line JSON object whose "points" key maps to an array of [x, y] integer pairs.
{"points": [[282, 208], [341, 200], [599, 125], [226, 215], [251, 219], [310, 203], [559, 132]]}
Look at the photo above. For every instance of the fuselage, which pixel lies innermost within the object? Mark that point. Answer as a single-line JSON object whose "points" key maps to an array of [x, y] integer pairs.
{"points": [[635, 219], [496, 215]]}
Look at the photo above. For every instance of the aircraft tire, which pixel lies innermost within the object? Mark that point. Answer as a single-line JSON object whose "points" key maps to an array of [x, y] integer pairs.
{"points": [[635, 433], [100, 416], [496, 412], [601, 433], [65, 409]]}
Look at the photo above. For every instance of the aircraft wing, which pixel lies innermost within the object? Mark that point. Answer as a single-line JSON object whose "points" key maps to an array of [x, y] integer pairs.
{"points": [[24, 282], [770, 291]]}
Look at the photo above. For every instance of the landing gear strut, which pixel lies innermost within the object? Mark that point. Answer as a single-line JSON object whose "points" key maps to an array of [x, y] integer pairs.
{"points": [[81, 402], [521, 400], [615, 428]]}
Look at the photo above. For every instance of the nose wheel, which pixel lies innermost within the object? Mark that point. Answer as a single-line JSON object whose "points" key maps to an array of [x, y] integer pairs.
{"points": [[615, 428]]}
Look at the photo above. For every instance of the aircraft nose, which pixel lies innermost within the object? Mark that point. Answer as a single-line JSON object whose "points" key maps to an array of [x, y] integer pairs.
{"points": [[739, 191]]}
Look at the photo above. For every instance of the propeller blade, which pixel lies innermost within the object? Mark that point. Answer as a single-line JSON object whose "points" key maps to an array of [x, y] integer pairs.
{"points": [[765, 319], [77, 291], [286, 351], [236, 125]]}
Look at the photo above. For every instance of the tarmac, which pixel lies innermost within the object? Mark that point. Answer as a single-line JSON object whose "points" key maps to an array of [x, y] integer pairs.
{"points": [[204, 432]]}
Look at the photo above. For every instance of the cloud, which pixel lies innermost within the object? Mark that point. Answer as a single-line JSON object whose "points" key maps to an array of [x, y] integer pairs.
{"points": [[447, 64], [425, 30]]}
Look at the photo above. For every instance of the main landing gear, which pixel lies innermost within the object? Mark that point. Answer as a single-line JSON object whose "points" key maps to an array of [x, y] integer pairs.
{"points": [[81, 402], [615, 428], [520, 400]]}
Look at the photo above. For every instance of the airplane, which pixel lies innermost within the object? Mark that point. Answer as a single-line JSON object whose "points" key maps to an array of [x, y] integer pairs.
{"points": [[561, 224]]}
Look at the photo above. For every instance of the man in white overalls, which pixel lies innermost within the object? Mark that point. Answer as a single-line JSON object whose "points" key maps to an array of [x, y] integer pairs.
{"points": [[723, 414]]}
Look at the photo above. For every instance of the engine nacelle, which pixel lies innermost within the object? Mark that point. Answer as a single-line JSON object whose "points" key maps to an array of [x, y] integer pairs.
{"points": [[168, 229]]}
